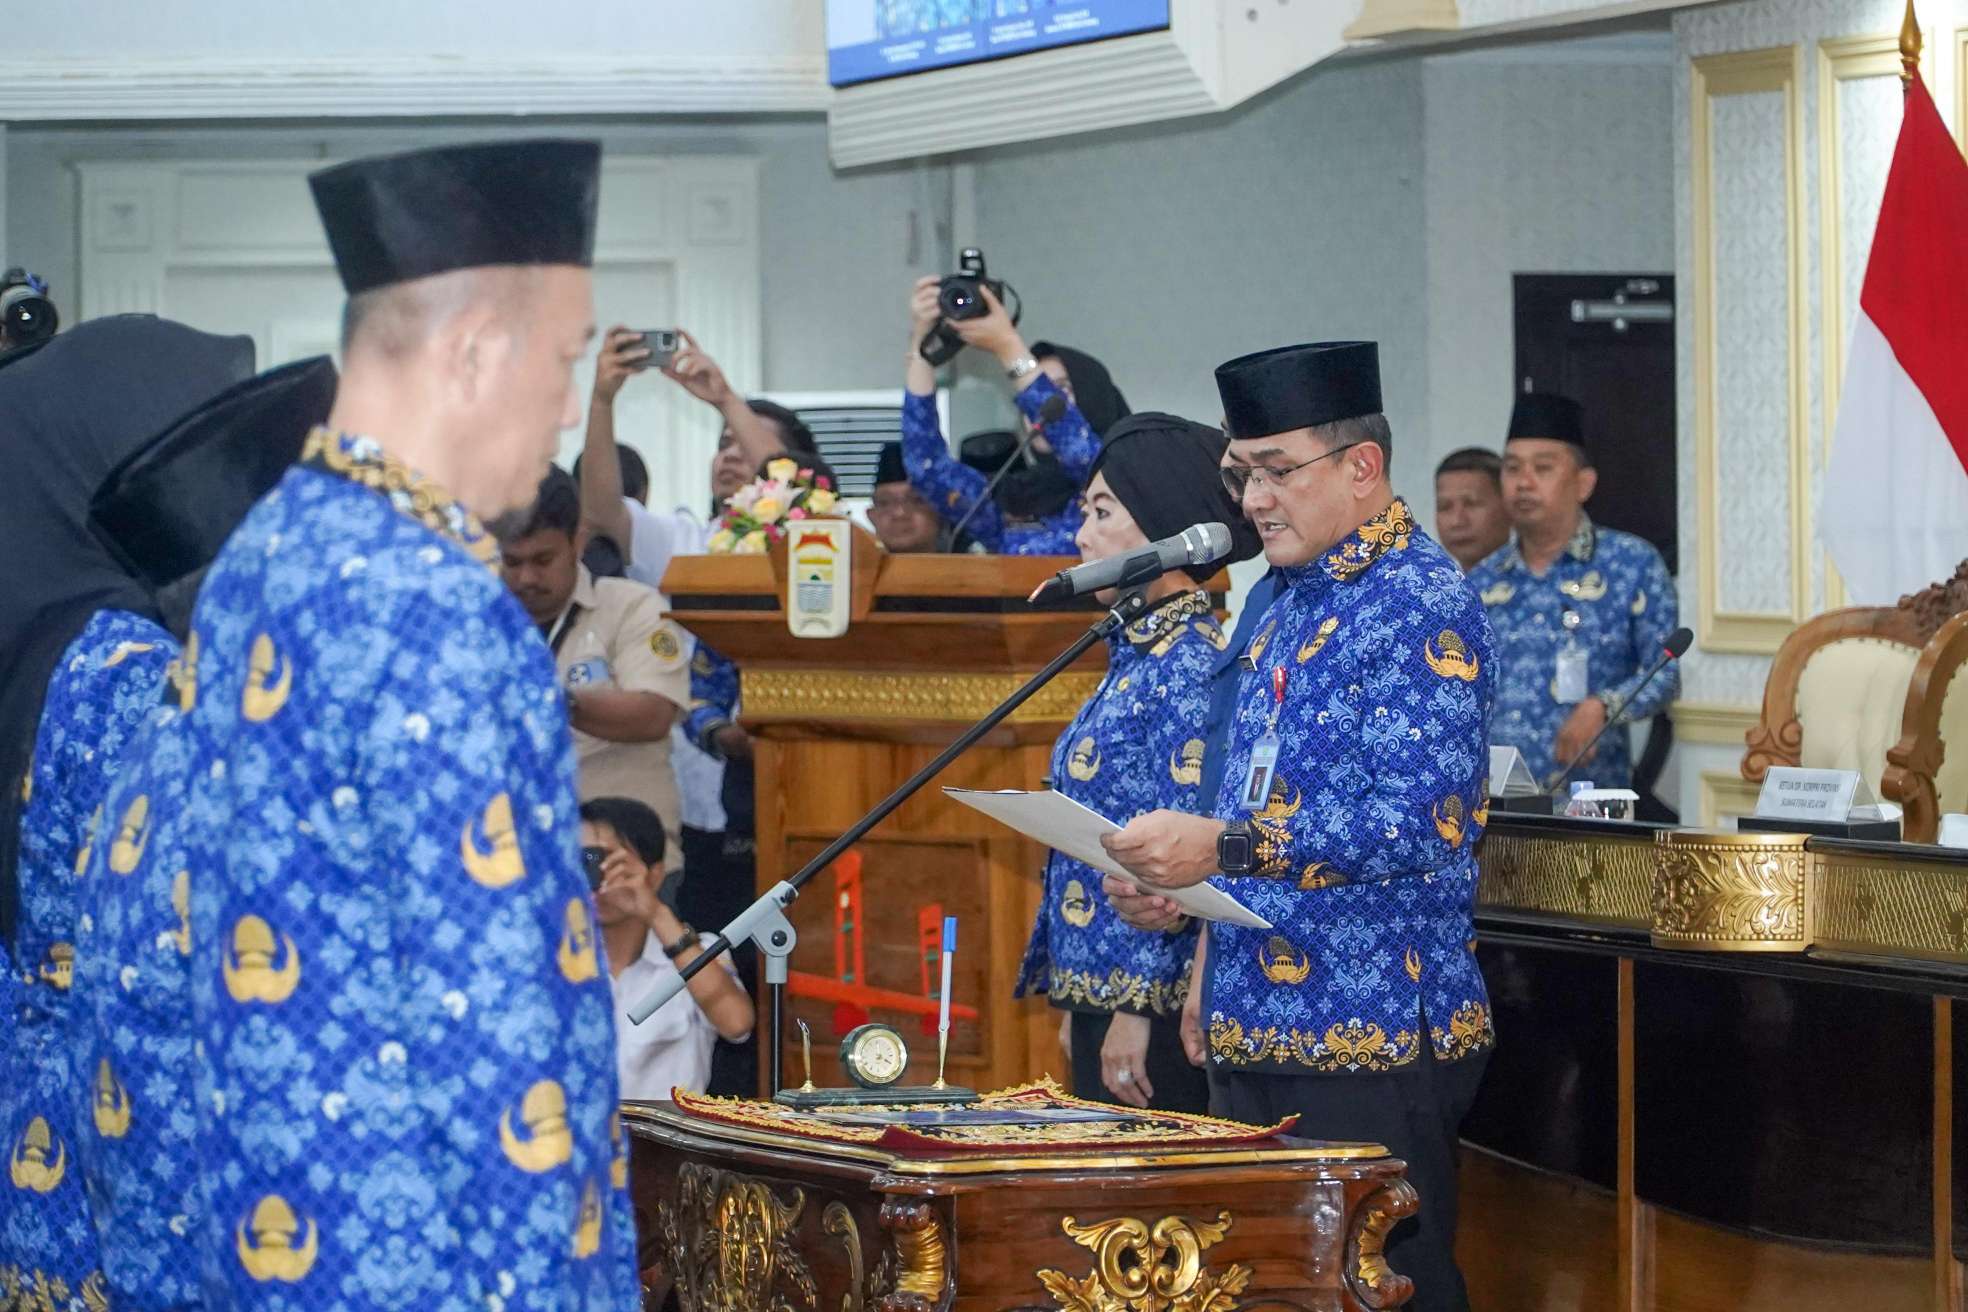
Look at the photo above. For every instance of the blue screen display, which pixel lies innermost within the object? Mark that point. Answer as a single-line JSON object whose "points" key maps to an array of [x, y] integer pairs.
{"points": [[869, 39]]}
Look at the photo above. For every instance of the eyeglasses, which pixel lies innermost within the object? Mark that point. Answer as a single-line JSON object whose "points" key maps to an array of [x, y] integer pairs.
{"points": [[1238, 478]]}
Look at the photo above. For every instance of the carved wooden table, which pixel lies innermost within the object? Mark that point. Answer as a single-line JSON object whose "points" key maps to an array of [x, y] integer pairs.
{"points": [[747, 1219]]}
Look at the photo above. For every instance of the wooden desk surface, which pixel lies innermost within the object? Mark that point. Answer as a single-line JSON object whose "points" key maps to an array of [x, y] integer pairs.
{"points": [[737, 1218]]}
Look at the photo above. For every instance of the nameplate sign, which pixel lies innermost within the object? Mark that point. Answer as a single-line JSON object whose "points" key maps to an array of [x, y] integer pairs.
{"points": [[1509, 776], [1826, 796]]}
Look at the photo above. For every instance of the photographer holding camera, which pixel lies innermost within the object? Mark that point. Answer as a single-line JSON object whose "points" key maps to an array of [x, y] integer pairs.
{"points": [[753, 432], [27, 316], [1066, 397], [645, 940]]}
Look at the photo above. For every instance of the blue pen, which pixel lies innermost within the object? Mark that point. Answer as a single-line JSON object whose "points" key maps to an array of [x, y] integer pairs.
{"points": [[943, 1018]]}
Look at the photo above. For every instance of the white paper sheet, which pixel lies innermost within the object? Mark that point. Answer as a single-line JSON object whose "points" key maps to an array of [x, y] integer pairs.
{"points": [[1064, 825]]}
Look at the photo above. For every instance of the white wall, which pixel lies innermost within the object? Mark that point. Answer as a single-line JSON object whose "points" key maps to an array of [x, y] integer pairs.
{"points": [[96, 30], [1167, 250], [837, 246], [1557, 158]]}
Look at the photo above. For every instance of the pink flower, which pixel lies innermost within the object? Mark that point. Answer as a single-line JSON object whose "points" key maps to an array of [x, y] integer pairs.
{"points": [[797, 512]]}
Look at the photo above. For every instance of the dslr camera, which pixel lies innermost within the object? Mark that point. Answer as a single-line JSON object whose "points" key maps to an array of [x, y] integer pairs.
{"points": [[960, 295], [27, 316]]}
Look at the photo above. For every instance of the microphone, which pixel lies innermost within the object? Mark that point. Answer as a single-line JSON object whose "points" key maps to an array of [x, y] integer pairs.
{"points": [[1199, 544], [1054, 407], [1673, 649]]}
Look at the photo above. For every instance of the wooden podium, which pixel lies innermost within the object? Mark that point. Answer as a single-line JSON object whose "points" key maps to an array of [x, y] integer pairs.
{"points": [[933, 643]]}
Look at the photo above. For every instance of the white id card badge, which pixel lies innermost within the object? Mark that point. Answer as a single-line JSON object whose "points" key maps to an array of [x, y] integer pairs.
{"points": [[1263, 765], [1570, 684]]}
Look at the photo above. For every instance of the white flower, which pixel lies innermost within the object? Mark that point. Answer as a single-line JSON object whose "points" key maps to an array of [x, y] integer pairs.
{"points": [[507, 1284], [344, 797], [334, 1105], [455, 1003], [431, 555], [127, 976], [180, 1225], [354, 565], [543, 816], [392, 1052], [85, 923], [417, 725]]}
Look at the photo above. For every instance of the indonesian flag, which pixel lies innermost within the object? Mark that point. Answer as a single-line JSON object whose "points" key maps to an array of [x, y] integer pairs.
{"points": [[1895, 510]]}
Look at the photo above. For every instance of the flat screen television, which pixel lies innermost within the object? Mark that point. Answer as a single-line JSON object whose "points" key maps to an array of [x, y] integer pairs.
{"points": [[870, 39]]}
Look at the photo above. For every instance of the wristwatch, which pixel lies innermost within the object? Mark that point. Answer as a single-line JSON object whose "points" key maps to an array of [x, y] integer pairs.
{"points": [[1233, 849], [1023, 365], [685, 941]]}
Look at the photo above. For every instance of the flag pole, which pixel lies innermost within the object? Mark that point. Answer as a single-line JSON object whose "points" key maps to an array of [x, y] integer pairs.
{"points": [[1909, 47]]}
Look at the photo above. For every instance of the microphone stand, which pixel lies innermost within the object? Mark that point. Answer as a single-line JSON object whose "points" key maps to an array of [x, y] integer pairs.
{"points": [[764, 921]]}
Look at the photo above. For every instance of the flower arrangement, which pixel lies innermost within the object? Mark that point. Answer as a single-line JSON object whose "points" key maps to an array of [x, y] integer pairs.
{"points": [[756, 515]]}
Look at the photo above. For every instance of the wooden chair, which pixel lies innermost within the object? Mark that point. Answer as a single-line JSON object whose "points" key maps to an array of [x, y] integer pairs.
{"points": [[1873, 689]]}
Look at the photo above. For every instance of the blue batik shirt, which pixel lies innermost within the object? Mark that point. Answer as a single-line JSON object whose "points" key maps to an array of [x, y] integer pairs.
{"points": [[713, 696], [1136, 746], [406, 1088], [1609, 592], [1365, 848], [133, 1032], [107, 681], [953, 487]]}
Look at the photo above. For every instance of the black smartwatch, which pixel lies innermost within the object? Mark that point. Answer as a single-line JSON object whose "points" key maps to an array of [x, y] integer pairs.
{"points": [[1233, 849], [685, 941]]}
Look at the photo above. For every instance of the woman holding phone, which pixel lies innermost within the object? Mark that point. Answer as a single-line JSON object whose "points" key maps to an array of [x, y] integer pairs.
{"points": [[1136, 745], [644, 941]]}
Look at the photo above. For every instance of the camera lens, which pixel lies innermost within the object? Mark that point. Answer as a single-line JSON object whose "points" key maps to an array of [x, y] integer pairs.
{"points": [[26, 316]]}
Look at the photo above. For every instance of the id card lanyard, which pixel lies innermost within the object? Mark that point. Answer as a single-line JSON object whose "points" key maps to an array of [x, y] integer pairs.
{"points": [[1264, 756], [1569, 679]]}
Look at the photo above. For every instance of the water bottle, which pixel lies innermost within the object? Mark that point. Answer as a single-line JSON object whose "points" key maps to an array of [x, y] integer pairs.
{"points": [[1578, 806]]}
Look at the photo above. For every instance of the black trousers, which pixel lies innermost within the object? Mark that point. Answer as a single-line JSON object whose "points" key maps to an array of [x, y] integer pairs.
{"points": [[1179, 1087], [1416, 1112]]}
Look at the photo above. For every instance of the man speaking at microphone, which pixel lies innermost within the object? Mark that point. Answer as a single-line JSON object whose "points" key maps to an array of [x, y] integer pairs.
{"points": [[1353, 795]]}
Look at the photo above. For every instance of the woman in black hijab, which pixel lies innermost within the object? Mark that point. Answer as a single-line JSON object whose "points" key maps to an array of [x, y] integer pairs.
{"points": [[1135, 746]]}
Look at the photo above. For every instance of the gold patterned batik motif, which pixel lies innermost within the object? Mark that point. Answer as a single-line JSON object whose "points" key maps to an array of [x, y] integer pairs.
{"points": [[1385, 532], [1469, 1030], [1352, 1046], [1158, 630], [362, 460], [1271, 831], [1117, 990]]}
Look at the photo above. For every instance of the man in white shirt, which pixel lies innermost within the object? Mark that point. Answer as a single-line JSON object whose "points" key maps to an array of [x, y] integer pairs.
{"points": [[645, 943]]}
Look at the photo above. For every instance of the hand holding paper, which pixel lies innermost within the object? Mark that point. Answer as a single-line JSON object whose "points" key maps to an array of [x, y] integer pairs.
{"points": [[1066, 826]]}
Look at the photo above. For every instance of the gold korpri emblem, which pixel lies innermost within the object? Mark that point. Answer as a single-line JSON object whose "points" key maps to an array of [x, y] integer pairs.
{"points": [[249, 972], [577, 950], [271, 1255], [1498, 594], [181, 906], [1448, 657], [182, 674], [1282, 963], [88, 848], [58, 967], [1186, 764], [111, 1104], [261, 701], [1083, 763], [1075, 906], [550, 1143], [126, 852], [1592, 587], [1139, 1266], [1310, 649], [664, 646], [30, 1166], [503, 864], [587, 1227]]}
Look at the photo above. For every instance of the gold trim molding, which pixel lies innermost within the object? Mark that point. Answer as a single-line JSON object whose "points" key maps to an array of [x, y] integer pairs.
{"points": [[1712, 724], [892, 695], [1140, 1267], [1732, 892], [1606, 879], [1755, 72], [1906, 907]]}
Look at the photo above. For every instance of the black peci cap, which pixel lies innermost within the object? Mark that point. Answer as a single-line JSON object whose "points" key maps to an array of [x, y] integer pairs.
{"points": [[1293, 387], [1548, 415], [166, 510], [397, 218], [888, 464]]}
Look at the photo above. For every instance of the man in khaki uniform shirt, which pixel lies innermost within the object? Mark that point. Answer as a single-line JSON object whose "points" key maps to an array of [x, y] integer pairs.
{"points": [[624, 666]]}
